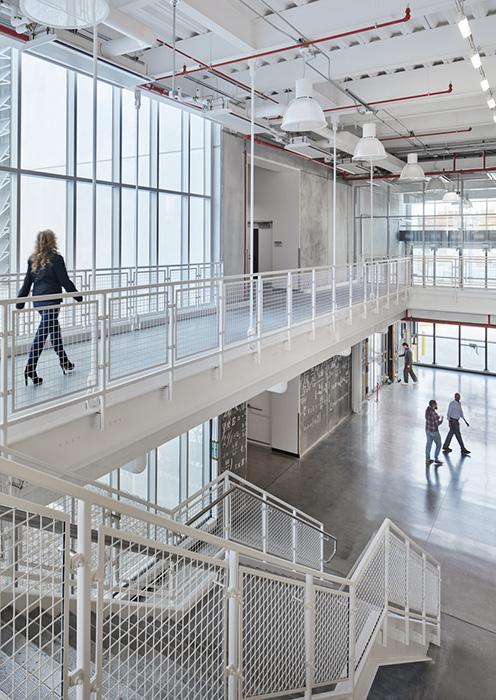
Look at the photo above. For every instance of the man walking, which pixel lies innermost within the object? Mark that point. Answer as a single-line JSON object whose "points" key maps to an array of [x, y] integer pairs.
{"points": [[432, 423], [407, 368], [455, 413]]}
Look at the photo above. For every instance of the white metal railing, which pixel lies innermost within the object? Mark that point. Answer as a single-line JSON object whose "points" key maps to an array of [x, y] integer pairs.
{"points": [[117, 336], [105, 277], [455, 271], [217, 619], [229, 507]]}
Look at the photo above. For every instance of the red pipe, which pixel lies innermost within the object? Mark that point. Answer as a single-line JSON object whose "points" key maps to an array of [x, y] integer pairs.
{"points": [[396, 99], [413, 135], [218, 73], [165, 93], [302, 44], [449, 323], [9, 31], [432, 173]]}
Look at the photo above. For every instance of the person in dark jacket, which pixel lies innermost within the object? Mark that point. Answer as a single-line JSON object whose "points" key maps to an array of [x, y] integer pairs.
{"points": [[46, 274], [407, 368]]}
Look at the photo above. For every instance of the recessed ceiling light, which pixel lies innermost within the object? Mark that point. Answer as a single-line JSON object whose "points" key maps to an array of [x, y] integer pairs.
{"points": [[476, 60], [491, 103], [464, 27], [484, 85]]}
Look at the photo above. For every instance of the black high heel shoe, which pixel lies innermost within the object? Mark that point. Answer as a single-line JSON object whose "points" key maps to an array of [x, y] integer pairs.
{"points": [[67, 365], [31, 374]]}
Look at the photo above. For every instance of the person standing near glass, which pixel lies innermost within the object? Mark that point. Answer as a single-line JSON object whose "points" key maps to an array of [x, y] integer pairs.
{"points": [[46, 274]]}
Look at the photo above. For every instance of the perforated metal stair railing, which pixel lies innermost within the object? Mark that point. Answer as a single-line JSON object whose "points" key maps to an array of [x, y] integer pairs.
{"points": [[154, 620]]}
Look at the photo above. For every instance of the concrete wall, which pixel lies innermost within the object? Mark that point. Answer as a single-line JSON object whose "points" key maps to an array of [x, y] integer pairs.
{"points": [[232, 224]]}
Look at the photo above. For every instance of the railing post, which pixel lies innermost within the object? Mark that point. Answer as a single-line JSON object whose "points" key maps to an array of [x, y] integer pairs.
{"points": [[84, 580], [289, 295], [365, 285], [265, 524], [259, 313], [352, 637], [397, 281], [309, 636], [387, 536], [389, 267], [350, 290], [314, 300], [5, 373], [294, 535], [233, 651], [377, 284], [424, 628], [221, 316], [407, 595]]}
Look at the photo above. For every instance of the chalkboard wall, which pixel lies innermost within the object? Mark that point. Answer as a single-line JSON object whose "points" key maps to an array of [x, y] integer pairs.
{"points": [[325, 399], [233, 438]]}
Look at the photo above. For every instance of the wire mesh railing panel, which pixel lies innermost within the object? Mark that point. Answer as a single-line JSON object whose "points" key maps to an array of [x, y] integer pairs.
{"points": [[432, 602], [332, 630], [397, 571], [140, 342], [273, 635], [370, 600], [161, 633], [323, 292], [275, 303], [196, 319], [309, 545], [33, 601], [301, 288], [246, 519], [240, 311], [415, 581], [280, 533], [57, 343], [109, 279]]}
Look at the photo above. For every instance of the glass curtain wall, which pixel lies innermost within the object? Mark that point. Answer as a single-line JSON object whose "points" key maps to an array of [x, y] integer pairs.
{"points": [[456, 346], [156, 170], [173, 472]]}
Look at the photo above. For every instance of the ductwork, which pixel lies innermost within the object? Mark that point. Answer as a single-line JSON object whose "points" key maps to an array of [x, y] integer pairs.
{"points": [[136, 35]]}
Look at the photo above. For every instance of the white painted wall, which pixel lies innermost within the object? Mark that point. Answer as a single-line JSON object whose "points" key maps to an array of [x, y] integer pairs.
{"points": [[284, 413], [259, 418]]}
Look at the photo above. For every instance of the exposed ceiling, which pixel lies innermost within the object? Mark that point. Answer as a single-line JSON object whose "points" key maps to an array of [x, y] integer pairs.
{"points": [[420, 52]]}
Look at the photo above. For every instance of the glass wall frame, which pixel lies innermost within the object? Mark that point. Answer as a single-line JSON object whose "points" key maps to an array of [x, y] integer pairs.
{"points": [[464, 347], [136, 234]]}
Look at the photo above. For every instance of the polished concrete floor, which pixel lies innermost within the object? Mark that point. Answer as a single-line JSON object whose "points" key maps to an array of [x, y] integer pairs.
{"points": [[373, 466]]}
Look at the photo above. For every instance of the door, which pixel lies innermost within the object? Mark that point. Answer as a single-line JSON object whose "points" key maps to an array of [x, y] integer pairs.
{"points": [[259, 420]]}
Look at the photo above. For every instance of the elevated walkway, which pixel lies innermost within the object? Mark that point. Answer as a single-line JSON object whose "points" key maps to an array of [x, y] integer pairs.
{"points": [[155, 360]]}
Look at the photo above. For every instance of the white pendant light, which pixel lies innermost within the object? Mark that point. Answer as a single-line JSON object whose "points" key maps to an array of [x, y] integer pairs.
{"points": [[476, 60], [484, 83], [369, 148], [304, 113], [451, 197], [412, 170], [65, 14], [491, 103], [464, 27], [436, 184]]}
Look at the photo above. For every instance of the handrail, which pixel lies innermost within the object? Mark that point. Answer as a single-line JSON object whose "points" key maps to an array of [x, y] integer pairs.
{"points": [[238, 487]]}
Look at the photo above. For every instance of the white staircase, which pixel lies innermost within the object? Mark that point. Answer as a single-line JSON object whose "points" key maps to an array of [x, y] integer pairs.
{"points": [[127, 603]]}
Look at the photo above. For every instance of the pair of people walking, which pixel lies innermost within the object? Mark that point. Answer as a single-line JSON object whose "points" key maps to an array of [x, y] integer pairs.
{"points": [[432, 423]]}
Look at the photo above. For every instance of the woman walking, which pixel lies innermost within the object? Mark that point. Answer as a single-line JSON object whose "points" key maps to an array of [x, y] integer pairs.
{"points": [[47, 274]]}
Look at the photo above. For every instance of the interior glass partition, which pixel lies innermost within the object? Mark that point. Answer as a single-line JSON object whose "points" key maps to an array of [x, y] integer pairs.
{"points": [[455, 346]]}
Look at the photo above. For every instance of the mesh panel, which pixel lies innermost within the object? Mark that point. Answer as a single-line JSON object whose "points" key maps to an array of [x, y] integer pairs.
{"points": [[273, 641], [308, 546], [370, 600], [397, 571], [197, 319], [332, 620], [162, 630], [246, 522], [302, 296], [279, 533], [60, 343], [432, 602], [415, 585], [138, 338], [33, 595], [239, 299], [275, 304]]}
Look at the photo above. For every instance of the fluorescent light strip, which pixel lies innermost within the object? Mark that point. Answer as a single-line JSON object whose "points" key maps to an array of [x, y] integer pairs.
{"points": [[491, 103], [464, 27], [484, 83], [476, 60]]}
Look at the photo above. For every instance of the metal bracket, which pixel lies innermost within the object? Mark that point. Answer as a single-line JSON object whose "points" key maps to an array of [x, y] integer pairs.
{"points": [[76, 677]]}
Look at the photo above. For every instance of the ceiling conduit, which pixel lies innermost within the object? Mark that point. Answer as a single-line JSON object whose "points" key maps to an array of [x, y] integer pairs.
{"points": [[292, 47], [415, 135], [431, 173]]}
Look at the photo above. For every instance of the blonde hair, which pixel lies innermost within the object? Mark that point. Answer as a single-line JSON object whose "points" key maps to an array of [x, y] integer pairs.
{"points": [[44, 249]]}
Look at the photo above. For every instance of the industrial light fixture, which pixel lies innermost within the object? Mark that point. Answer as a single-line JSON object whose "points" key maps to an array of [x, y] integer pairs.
{"points": [[491, 103], [464, 27], [369, 148], [476, 60], [412, 170], [451, 197], [484, 83], [436, 184], [304, 113], [65, 14]]}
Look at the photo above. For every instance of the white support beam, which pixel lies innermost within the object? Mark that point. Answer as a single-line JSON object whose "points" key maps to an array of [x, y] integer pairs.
{"points": [[225, 19]]}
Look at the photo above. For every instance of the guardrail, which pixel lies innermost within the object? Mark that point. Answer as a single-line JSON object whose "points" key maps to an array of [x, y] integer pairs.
{"points": [[217, 620], [118, 336], [456, 271]]}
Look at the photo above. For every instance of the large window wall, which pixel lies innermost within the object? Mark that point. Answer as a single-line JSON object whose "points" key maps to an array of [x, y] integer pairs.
{"points": [[457, 346], [173, 472], [157, 170]]}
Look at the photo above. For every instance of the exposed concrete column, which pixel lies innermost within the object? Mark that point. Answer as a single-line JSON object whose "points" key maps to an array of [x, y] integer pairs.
{"points": [[356, 378]]}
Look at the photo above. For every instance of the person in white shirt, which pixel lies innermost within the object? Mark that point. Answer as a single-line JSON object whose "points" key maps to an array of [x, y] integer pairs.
{"points": [[455, 413]]}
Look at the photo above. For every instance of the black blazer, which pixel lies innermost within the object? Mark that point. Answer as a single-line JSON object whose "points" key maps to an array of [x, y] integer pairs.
{"points": [[47, 280]]}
